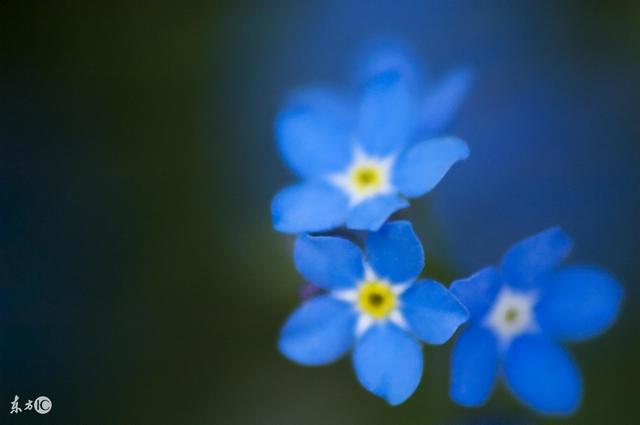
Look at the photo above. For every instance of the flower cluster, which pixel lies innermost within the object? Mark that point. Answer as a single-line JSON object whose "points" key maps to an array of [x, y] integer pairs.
{"points": [[358, 162]]}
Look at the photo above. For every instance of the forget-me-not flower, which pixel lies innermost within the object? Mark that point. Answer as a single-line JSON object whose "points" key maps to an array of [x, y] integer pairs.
{"points": [[520, 314], [360, 161], [372, 304]]}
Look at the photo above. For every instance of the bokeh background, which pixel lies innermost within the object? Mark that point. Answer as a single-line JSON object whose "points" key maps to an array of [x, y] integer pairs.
{"points": [[140, 279]]}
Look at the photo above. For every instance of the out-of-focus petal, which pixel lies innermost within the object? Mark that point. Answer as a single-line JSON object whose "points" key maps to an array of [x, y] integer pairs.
{"points": [[387, 115], [314, 133], [387, 54], [579, 302], [443, 101], [421, 168], [478, 292], [372, 213], [532, 258], [474, 366], [542, 375], [309, 207]]}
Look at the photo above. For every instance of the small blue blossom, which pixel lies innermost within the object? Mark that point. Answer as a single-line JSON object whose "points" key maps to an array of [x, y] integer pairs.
{"points": [[520, 314], [360, 161], [373, 305]]}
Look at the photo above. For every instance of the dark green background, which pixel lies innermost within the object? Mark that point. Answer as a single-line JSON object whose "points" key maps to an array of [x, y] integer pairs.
{"points": [[141, 280]]}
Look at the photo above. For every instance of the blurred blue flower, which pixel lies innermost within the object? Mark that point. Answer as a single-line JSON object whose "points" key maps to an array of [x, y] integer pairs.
{"points": [[373, 305], [519, 314], [359, 161]]}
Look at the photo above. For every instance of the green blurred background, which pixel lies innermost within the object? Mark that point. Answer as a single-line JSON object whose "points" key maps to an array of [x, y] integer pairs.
{"points": [[141, 282]]}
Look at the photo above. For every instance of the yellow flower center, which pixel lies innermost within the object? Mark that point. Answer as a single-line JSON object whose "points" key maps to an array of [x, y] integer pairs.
{"points": [[511, 315], [376, 299], [366, 178]]}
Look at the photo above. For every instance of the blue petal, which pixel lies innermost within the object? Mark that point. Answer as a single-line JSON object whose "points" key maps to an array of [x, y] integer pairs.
{"points": [[386, 115], [532, 258], [309, 207], [372, 213], [314, 133], [542, 375], [474, 367], [443, 101], [420, 169], [395, 252], [579, 303], [432, 312], [388, 362], [329, 262], [478, 292], [320, 331], [386, 54]]}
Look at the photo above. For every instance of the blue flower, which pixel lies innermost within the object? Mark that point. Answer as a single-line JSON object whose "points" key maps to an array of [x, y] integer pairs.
{"points": [[372, 305], [519, 315], [360, 161]]}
